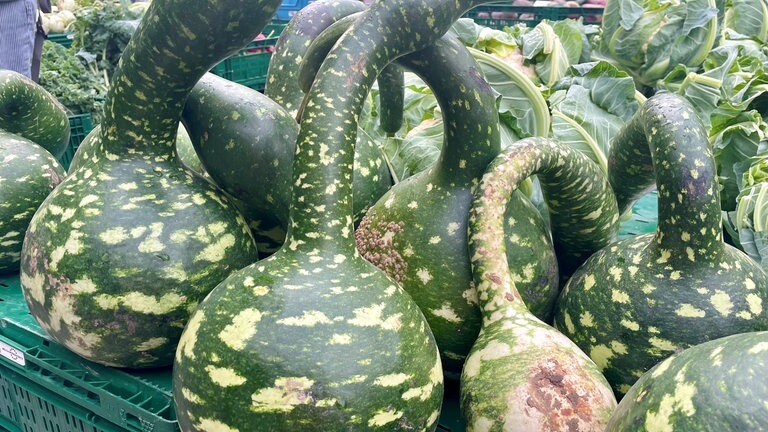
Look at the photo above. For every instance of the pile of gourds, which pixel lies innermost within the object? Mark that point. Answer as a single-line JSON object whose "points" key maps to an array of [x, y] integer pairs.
{"points": [[370, 295]]}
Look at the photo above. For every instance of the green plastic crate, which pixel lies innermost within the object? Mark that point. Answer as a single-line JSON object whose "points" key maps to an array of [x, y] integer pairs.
{"points": [[79, 126], [500, 15], [249, 66], [61, 38]]}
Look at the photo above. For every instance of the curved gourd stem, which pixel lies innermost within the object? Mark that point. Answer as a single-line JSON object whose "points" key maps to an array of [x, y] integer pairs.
{"points": [[29, 111], [662, 135], [517, 360], [321, 204], [391, 80], [167, 64], [391, 99], [282, 77], [576, 191]]}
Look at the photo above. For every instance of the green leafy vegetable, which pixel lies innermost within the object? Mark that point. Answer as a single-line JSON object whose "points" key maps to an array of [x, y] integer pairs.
{"points": [[67, 79]]}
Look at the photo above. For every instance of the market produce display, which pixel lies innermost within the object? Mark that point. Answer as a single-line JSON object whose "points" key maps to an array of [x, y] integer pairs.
{"points": [[121, 253], [523, 375], [435, 203]]}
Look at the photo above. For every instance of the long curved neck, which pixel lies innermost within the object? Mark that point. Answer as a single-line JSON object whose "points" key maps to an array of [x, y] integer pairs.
{"points": [[321, 209], [668, 131], [468, 105], [584, 202], [175, 44]]}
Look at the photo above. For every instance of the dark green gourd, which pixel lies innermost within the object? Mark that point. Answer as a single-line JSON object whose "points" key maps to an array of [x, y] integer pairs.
{"points": [[535, 270], [315, 337], [416, 232], [246, 142], [124, 249], [283, 75], [523, 375], [29, 111], [635, 302], [28, 173], [715, 386]]}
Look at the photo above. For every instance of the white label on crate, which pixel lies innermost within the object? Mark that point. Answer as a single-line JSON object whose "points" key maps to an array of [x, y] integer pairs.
{"points": [[12, 354]]}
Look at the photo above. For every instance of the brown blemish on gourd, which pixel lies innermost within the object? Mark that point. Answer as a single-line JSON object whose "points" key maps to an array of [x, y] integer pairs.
{"points": [[553, 396], [378, 244]]}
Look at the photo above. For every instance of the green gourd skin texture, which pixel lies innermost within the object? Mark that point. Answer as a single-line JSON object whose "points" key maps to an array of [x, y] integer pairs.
{"points": [[283, 74], [417, 231], [29, 111], [120, 254], [535, 270], [523, 375], [40, 173], [711, 387], [639, 300], [245, 142], [315, 337]]}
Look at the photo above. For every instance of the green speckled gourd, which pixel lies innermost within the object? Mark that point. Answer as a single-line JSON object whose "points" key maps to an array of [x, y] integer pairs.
{"points": [[715, 386], [28, 173], [246, 143], [120, 254], [635, 302], [283, 74], [417, 231], [523, 375], [29, 111], [315, 337]]}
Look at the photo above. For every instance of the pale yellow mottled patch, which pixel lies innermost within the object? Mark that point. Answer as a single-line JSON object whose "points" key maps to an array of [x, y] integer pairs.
{"points": [[191, 397], [307, 319], [340, 339], [601, 355], [434, 240], [152, 243], [384, 417], [83, 286], [662, 344], [114, 235], [224, 377], [722, 302], [242, 328], [675, 275], [128, 186], [619, 296], [665, 255], [88, 199], [211, 425], [216, 251], [189, 336], [152, 343], [589, 282], [758, 348], [287, 393], [755, 303], [324, 403], [423, 275], [587, 320], [648, 288], [373, 317], [689, 311], [632, 270], [616, 273], [492, 351], [630, 325], [618, 347], [391, 380], [686, 237], [749, 284], [453, 228], [260, 290], [447, 313]]}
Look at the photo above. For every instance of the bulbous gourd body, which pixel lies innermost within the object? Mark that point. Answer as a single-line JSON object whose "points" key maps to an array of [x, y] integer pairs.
{"points": [[642, 299], [314, 341], [132, 282], [120, 255], [28, 174], [718, 385]]}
